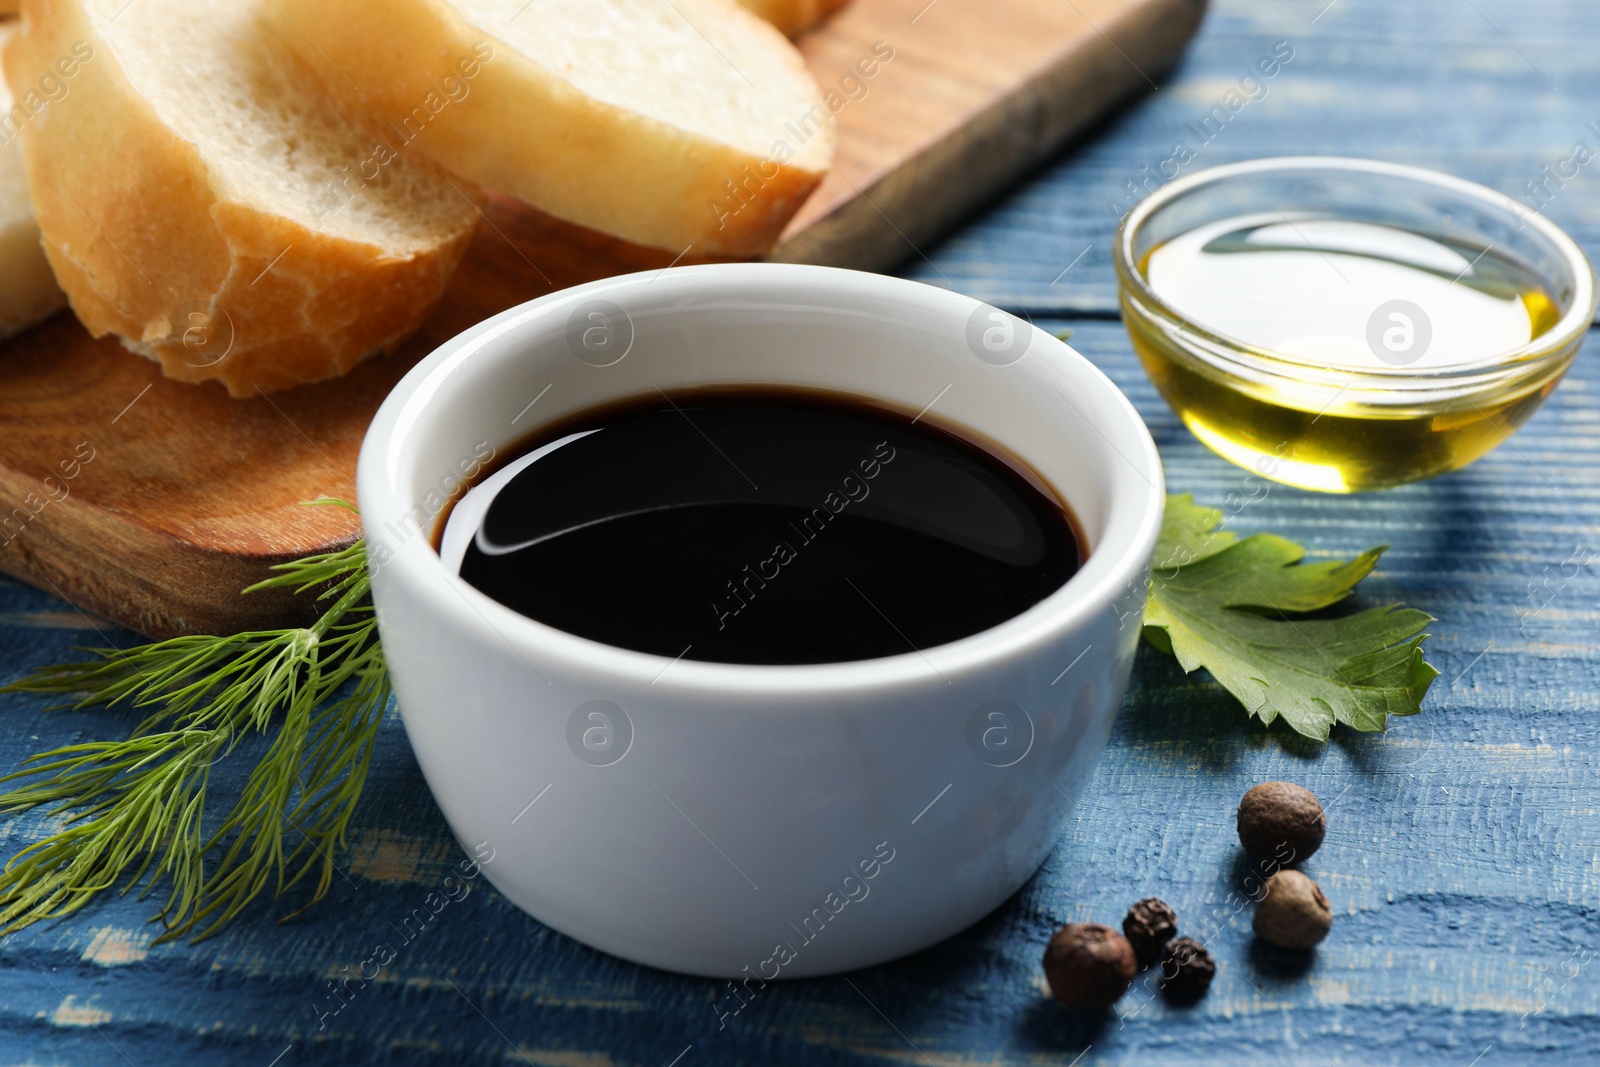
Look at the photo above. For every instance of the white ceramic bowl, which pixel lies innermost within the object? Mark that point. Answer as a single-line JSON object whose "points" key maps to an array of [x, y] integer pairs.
{"points": [[751, 821]]}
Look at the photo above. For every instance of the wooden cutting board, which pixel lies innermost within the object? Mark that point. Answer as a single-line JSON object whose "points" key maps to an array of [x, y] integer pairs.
{"points": [[179, 496]]}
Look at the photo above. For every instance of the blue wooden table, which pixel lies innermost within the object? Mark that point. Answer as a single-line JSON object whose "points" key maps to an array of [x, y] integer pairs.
{"points": [[1463, 851]]}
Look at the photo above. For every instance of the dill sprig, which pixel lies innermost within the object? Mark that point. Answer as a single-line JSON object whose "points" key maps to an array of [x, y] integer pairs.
{"points": [[135, 809]]}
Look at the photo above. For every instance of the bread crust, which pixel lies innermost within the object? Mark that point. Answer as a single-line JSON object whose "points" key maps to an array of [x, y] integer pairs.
{"points": [[524, 130], [28, 290], [792, 16], [146, 249]]}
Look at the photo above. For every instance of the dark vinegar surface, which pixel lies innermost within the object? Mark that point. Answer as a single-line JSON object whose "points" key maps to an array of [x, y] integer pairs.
{"points": [[764, 528]]}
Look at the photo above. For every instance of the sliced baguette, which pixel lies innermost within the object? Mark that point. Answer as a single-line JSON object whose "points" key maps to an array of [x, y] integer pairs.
{"points": [[28, 291], [792, 16], [678, 124], [203, 201]]}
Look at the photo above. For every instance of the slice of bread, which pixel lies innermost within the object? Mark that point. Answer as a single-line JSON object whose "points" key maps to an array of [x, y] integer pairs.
{"points": [[792, 16], [678, 124], [201, 199], [28, 291]]}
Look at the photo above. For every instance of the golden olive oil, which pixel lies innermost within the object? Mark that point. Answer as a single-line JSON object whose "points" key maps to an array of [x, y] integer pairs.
{"points": [[1365, 336]]}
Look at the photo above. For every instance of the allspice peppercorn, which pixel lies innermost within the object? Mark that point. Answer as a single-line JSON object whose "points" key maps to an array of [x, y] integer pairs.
{"points": [[1186, 969], [1148, 926], [1280, 822], [1294, 913], [1089, 966]]}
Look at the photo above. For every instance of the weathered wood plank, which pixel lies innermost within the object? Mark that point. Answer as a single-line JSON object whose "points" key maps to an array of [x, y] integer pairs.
{"points": [[1461, 856], [1431, 84]]}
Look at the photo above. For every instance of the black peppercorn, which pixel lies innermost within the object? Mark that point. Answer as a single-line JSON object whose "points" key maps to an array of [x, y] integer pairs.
{"points": [[1280, 823], [1148, 926], [1186, 969], [1089, 966]]}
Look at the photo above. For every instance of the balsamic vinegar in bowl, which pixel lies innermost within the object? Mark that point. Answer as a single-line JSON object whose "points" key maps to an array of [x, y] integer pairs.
{"points": [[762, 526], [838, 524]]}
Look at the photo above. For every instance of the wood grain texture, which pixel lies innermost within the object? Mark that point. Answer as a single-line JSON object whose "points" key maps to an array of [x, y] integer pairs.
{"points": [[975, 94], [1463, 852], [192, 497]]}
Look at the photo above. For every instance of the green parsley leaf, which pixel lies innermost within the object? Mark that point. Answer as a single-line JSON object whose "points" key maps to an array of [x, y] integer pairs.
{"points": [[1227, 605], [1189, 532]]}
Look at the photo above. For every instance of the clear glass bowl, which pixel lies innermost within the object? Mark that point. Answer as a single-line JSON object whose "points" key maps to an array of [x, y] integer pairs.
{"points": [[1332, 425]]}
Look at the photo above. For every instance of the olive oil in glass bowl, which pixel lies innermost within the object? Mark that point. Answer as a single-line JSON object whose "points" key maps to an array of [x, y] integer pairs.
{"points": [[1342, 324]]}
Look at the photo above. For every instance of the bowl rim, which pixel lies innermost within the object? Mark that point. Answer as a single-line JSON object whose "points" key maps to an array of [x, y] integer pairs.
{"points": [[416, 564], [1535, 357]]}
